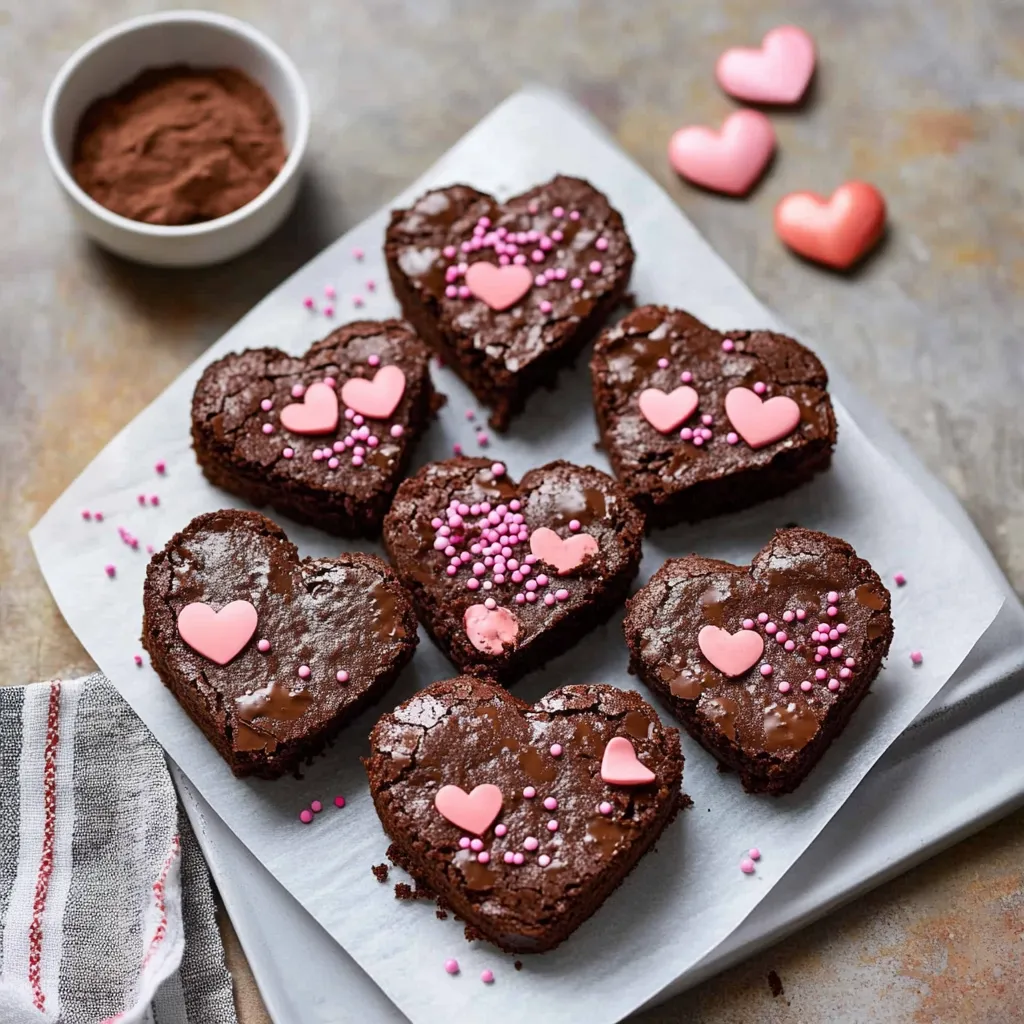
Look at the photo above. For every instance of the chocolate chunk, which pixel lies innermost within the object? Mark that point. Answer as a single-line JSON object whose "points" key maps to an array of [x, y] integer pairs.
{"points": [[702, 632]]}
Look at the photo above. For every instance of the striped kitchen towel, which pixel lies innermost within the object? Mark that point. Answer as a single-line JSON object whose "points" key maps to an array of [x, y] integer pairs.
{"points": [[106, 912]]}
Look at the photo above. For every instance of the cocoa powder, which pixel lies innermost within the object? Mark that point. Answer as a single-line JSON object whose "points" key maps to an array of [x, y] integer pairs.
{"points": [[179, 145]]}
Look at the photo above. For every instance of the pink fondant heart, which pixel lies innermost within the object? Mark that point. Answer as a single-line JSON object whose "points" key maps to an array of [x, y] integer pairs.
{"points": [[377, 398], [472, 812], [317, 413], [490, 629], [729, 161], [760, 423], [666, 412], [731, 653], [621, 767], [564, 555], [499, 287], [776, 73], [218, 636]]}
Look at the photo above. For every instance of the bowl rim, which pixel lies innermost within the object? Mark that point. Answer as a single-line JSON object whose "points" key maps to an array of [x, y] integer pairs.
{"points": [[209, 227]]}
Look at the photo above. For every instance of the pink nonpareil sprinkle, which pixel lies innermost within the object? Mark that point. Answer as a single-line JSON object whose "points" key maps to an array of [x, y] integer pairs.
{"points": [[316, 807], [329, 291], [604, 807], [556, 750], [358, 301], [358, 253], [760, 387], [137, 658], [754, 853], [161, 466], [268, 428], [747, 866], [308, 302], [303, 672], [482, 439], [305, 816], [543, 860], [371, 285], [264, 645], [86, 514], [451, 966], [497, 469], [110, 569], [339, 801], [766, 670], [899, 579], [916, 657], [342, 676], [487, 977], [728, 345]]}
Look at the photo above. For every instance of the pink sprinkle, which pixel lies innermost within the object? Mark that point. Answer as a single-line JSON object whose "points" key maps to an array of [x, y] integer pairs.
{"points": [[601, 244], [329, 291], [308, 302], [487, 977], [397, 430], [595, 266], [789, 645], [316, 806], [551, 803], [833, 685], [766, 670], [451, 292], [576, 283], [500, 830], [357, 301], [371, 285], [142, 498], [288, 453], [553, 825], [832, 596], [303, 671], [341, 676], [841, 628], [138, 659], [562, 595], [518, 858], [358, 253], [264, 645], [845, 673], [161, 466], [916, 657], [464, 843], [305, 816], [497, 469], [784, 687], [109, 569], [549, 599], [707, 419], [832, 610], [787, 616], [374, 360], [149, 549], [747, 866], [332, 463], [762, 617], [558, 211], [556, 750], [328, 311], [748, 623], [357, 460], [543, 860], [836, 652], [686, 434], [339, 801], [483, 857], [482, 439], [760, 388], [268, 428], [754, 853], [604, 807], [298, 391], [806, 685], [686, 376], [770, 628], [899, 579], [451, 966], [820, 674], [801, 614], [476, 844], [529, 792], [728, 345], [86, 514], [509, 857], [464, 292], [781, 637], [850, 662]]}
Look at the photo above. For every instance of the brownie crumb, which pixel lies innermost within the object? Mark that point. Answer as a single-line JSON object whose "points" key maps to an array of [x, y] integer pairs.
{"points": [[441, 915], [686, 802], [518, 965], [403, 891], [380, 872], [775, 984], [473, 934]]}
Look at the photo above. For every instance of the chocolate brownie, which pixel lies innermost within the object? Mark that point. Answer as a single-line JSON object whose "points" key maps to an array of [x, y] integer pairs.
{"points": [[269, 654], [505, 575], [763, 664], [698, 422], [505, 809], [555, 261], [324, 438]]}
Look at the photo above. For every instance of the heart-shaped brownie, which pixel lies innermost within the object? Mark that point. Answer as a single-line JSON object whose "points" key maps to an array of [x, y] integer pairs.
{"points": [[508, 293], [269, 654], [524, 819], [764, 664], [506, 575], [324, 438], [696, 422]]}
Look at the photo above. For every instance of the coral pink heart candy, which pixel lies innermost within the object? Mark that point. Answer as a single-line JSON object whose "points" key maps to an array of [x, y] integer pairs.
{"points": [[728, 161], [317, 413], [499, 287], [836, 231], [472, 812], [377, 398], [564, 555], [731, 653], [761, 423], [490, 629], [665, 412], [218, 636], [621, 767], [778, 72]]}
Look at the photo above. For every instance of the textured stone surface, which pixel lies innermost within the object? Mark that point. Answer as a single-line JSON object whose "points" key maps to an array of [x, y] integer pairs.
{"points": [[924, 98]]}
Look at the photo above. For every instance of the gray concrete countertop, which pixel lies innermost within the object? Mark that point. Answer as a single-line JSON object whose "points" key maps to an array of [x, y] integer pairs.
{"points": [[924, 98]]}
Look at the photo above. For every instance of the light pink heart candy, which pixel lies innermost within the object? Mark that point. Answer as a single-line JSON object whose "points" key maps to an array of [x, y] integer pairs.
{"points": [[728, 161], [776, 73], [731, 653], [621, 767], [377, 398], [490, 629], [317, 413], [564, 555], [761, 423], [472, 812], [218, 636], [499, 287], [666, 412]]}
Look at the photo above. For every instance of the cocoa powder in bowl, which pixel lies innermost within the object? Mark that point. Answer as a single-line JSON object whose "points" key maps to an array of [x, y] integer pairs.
{"points": [[179, 145]]}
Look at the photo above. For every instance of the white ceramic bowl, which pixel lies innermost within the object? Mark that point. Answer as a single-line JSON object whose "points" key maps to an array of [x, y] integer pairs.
{"points": [[200, 39]]}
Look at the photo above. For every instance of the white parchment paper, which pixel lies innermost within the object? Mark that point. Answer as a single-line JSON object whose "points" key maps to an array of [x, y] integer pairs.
{"points": [[688, 895]]}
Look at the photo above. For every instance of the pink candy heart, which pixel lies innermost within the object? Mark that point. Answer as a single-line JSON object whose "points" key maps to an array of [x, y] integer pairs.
{"points": [[490, 629], [666, 412], [621, 767], [728, 161], [472, 812], [731, 653], [377, 398], [760, 423], [564, 555], [317, 413], [499, 287], [776, 73], [218, 636]]}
